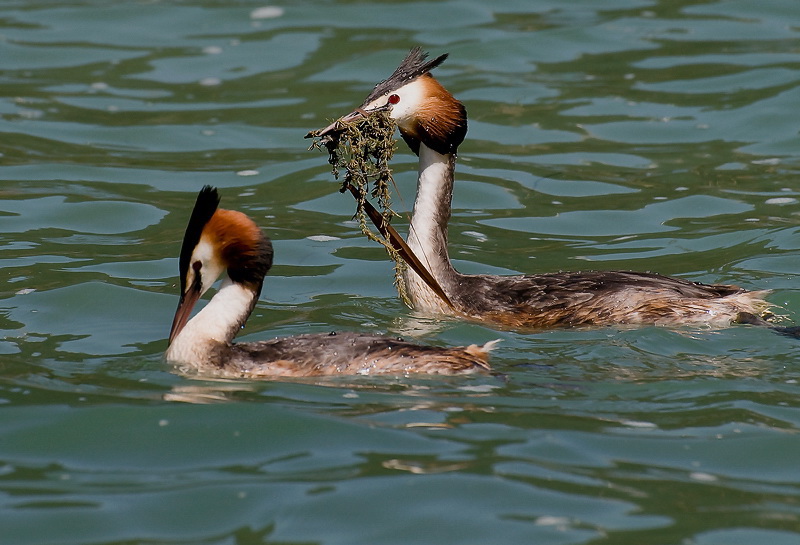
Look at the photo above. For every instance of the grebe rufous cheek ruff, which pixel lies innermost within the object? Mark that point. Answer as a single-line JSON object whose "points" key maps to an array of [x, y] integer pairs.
{"points": [[433, 124], [225, 242]]}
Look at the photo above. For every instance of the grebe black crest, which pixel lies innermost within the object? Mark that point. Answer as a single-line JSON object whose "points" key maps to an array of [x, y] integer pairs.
{"points": [[433, 124], [227, 243]]}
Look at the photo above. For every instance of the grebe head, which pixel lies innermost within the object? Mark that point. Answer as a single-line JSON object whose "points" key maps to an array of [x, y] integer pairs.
{"points": [[217, 241], [423, 110]]}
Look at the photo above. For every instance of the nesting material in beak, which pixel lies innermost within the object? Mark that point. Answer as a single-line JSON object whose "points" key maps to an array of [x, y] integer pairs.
{"points": [[362, 144]]}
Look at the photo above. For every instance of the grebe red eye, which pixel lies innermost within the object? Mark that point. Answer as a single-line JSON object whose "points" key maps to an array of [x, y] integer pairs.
{"points": [[394, 99]]}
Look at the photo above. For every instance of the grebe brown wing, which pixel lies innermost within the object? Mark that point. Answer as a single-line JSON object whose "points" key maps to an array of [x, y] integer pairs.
{"points": [[599, 298], [349, 353]]}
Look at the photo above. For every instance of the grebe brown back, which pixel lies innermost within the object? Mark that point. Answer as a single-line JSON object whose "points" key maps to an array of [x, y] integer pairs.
{"points": [[433, 124], [226, 242]]}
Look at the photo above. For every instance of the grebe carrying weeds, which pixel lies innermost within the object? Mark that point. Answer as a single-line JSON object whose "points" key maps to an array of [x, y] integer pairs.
{"points": [[225, 242], [433, 124]]}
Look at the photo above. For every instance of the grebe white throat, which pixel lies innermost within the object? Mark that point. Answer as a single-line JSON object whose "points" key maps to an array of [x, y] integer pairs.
{"points": [[428, 229], [217, 322]]}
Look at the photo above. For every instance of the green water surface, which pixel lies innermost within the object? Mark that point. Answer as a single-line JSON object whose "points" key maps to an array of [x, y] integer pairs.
{"points": [[650, 135]]}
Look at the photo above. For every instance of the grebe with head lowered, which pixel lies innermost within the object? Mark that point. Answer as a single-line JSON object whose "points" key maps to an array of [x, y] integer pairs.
{"points": [[225, 242], [433, 124]]}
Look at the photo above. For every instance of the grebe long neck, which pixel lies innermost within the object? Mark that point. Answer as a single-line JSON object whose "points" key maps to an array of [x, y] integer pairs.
{"points": [[427, 235], [214, 327]]}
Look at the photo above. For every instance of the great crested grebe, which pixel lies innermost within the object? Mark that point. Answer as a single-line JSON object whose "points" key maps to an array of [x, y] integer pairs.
{"points": [[433, 124], [228, 242]]}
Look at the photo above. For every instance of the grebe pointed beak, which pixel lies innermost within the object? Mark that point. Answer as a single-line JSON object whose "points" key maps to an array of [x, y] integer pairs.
{"points": [[339, 125], [184, 311]]}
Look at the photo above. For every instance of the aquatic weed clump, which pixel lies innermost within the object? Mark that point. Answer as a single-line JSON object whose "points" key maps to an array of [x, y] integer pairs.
{"points": [[363, 150]]}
